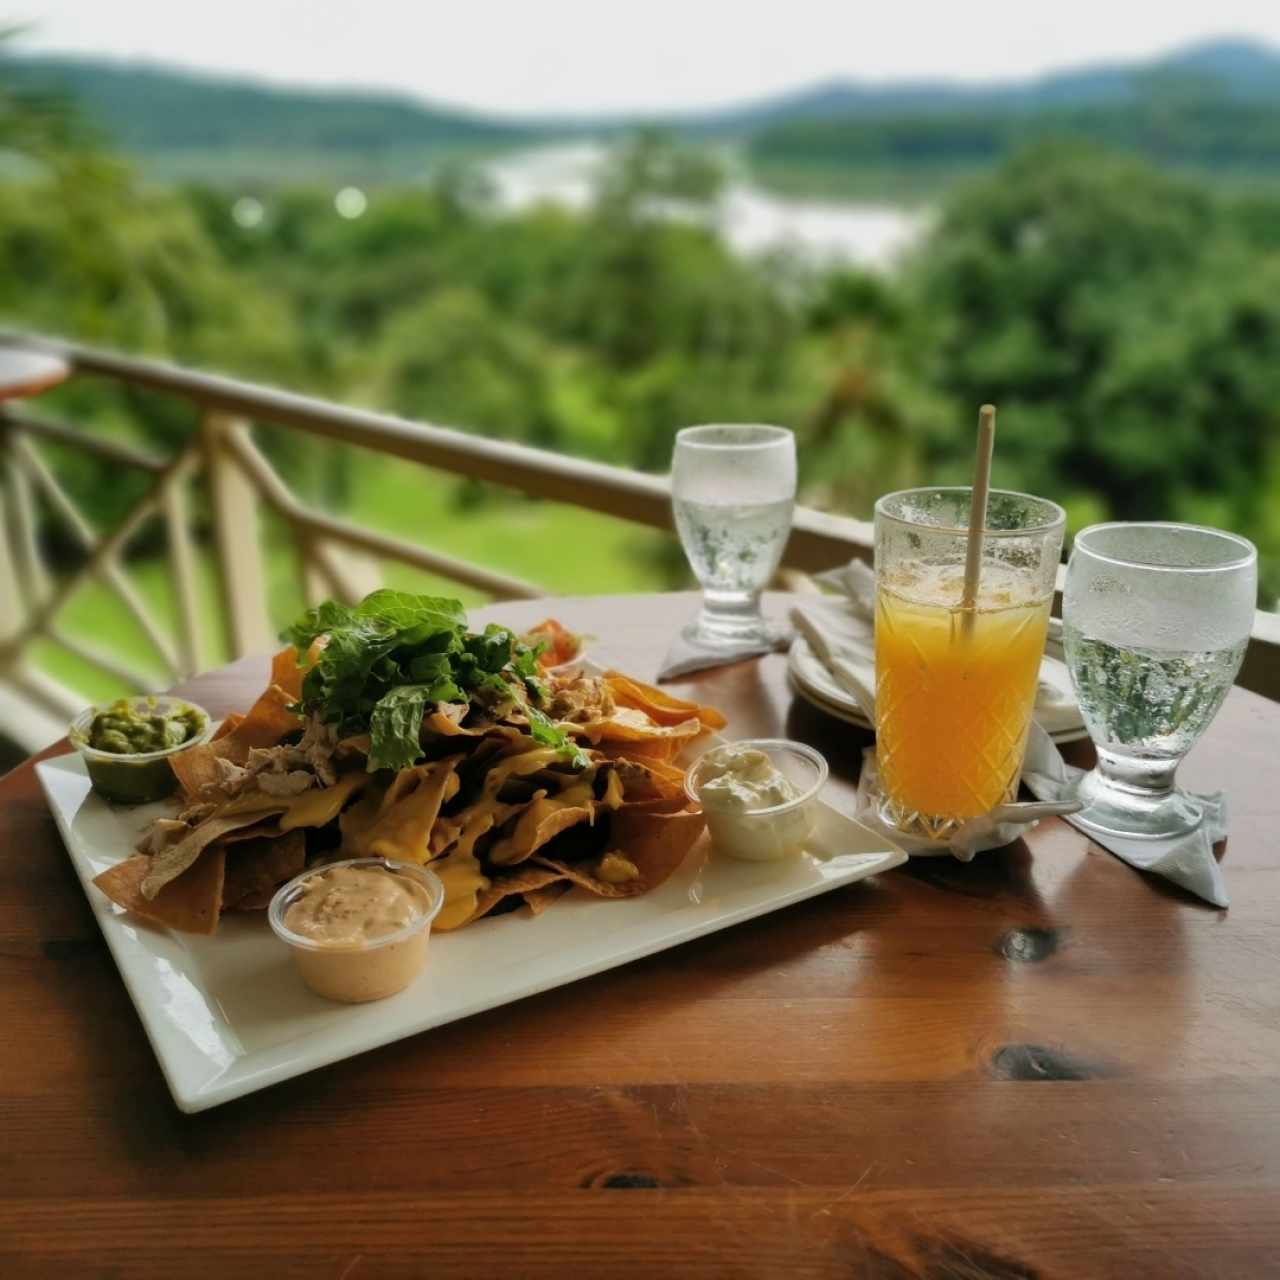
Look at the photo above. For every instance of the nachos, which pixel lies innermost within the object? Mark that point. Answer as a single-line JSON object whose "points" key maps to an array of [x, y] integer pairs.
{"points": [[388, 729]]}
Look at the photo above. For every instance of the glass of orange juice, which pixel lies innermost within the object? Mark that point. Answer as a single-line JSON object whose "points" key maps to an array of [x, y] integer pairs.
{"points": [[956, 683]]}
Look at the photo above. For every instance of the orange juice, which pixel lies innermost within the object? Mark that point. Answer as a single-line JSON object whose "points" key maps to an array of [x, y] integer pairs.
{"points": [[953, 696]]}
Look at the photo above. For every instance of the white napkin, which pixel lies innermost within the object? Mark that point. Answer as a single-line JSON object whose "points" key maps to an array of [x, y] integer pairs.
{"points": [[1003, 825], [840, 631], [686, 656], [1187, 860]]}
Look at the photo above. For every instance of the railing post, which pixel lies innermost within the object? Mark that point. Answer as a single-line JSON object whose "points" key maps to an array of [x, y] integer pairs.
{"points": [[182, 563], [234, 504], [12, 602]]}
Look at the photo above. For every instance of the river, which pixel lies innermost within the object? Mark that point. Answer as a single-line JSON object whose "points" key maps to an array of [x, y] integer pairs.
{"points": [[752, 219]]}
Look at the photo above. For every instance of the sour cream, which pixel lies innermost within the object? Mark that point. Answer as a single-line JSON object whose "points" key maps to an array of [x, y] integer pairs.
{"points": [[740, 778], [358, 929], [754, 811]]}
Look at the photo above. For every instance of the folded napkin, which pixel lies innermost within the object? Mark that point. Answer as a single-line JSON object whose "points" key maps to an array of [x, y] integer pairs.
{"points": [[687, 656], [1003, 825], [1187, 861], [840, 631]]}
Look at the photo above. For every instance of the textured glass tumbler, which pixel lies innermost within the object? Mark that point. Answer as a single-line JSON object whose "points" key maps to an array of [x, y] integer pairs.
{"points": [[733, 490], [1156, 620], [956, 683]]}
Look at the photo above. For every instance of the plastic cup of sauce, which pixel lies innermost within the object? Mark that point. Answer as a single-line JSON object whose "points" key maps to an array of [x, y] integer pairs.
{"points": [[358, 929], [758, 796], [126, 745]]}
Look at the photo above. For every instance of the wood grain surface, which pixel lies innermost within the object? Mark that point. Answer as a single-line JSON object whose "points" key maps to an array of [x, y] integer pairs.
{"points": [[1041, 1064]]}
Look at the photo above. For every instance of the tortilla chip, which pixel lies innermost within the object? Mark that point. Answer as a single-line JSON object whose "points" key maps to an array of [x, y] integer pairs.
{"points": [[658, 751], [268, 721], [630, 724], [657, 804], [170, 863], [257, 868], [189, 903], [656, 843], [523, 880], [268, 827], [228, 725], [659, 705], [538, 900], [541, 822], [650, 779], [286, 672]]}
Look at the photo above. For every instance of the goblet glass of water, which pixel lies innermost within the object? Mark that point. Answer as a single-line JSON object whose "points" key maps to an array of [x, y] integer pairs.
{"points": [[733, 490], [1156, 619]]}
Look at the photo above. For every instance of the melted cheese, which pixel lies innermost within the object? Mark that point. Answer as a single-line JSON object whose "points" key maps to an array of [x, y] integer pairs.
{"points": [[613, 792], [518, 766], [315, 808], [402, 822], [463, 882]]}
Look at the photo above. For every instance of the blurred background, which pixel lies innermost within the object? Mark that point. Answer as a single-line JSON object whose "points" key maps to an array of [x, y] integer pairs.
{"points": [[581, 232]]}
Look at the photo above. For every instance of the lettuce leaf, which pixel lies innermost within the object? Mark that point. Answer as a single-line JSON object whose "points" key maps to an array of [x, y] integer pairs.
{"points": [[395, 724], [405, 612], [386, 661], [544, 731]]}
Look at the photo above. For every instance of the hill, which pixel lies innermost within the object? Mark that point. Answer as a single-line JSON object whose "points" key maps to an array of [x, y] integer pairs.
{"points": [[1214, 105], [147, 108], [1239, 69]]}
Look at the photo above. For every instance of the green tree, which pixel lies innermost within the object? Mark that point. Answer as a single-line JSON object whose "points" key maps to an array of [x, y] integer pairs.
{"points": [[1126, 328]]}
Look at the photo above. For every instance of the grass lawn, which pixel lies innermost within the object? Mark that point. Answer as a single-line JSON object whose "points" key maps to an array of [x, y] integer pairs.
{"points": [[565, 549]]}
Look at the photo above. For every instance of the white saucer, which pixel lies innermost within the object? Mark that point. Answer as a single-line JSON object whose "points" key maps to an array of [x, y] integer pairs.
{"points": [[817, 686]]}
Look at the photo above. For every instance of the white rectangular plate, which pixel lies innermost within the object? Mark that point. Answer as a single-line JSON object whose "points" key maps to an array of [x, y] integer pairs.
{"points": [[227, 1015]]}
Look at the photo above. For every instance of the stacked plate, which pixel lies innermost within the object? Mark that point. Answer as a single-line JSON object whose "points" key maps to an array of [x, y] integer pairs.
{"points": [[1059, 711]]}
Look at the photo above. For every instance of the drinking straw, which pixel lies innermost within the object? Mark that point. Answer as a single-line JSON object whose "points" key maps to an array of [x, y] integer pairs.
{"points": [[978, 512]]}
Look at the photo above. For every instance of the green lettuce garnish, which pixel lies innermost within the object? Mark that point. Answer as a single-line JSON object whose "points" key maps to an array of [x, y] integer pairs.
{"points": [[388, 660]]}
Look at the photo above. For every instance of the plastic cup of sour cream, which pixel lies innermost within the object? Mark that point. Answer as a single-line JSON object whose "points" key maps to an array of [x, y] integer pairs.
{"points": [[758, 796], [358, 929]]}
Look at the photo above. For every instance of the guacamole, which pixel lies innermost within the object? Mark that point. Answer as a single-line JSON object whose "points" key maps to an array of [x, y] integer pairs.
{"points": [[127, 729], [119, 743]]}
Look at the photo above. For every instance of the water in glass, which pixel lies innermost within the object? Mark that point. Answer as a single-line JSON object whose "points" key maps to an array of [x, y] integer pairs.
{"points": [[733, 494], [1156, 619]]}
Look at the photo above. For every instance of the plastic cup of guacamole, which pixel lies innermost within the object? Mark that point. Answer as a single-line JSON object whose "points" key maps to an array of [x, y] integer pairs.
{"points": [[126, 745]]}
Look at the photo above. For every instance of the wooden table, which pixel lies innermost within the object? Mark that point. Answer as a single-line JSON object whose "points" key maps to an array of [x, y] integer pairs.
{"points": [[1039, 1064]]}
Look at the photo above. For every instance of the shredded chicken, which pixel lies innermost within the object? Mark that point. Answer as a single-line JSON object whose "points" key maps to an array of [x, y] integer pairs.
{"points": [[162, 833], [197, 812], [291, 783], [319, 740], [579, 699], [230, 781]]}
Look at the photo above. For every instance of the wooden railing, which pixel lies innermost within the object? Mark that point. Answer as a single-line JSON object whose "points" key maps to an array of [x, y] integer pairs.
{"points": [[221, 453]]}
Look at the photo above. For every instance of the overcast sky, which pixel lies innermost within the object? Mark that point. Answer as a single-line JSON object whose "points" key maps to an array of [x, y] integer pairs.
{"points": [[591, 55]]}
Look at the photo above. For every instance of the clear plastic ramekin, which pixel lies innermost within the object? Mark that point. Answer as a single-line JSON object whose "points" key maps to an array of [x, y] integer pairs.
{"points": [[359, 973], [776, 831], [143, 776]]}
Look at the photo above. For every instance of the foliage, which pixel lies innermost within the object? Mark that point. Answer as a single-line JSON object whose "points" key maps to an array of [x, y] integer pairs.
{"points": [[1126, 321], [1184, 120]]}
